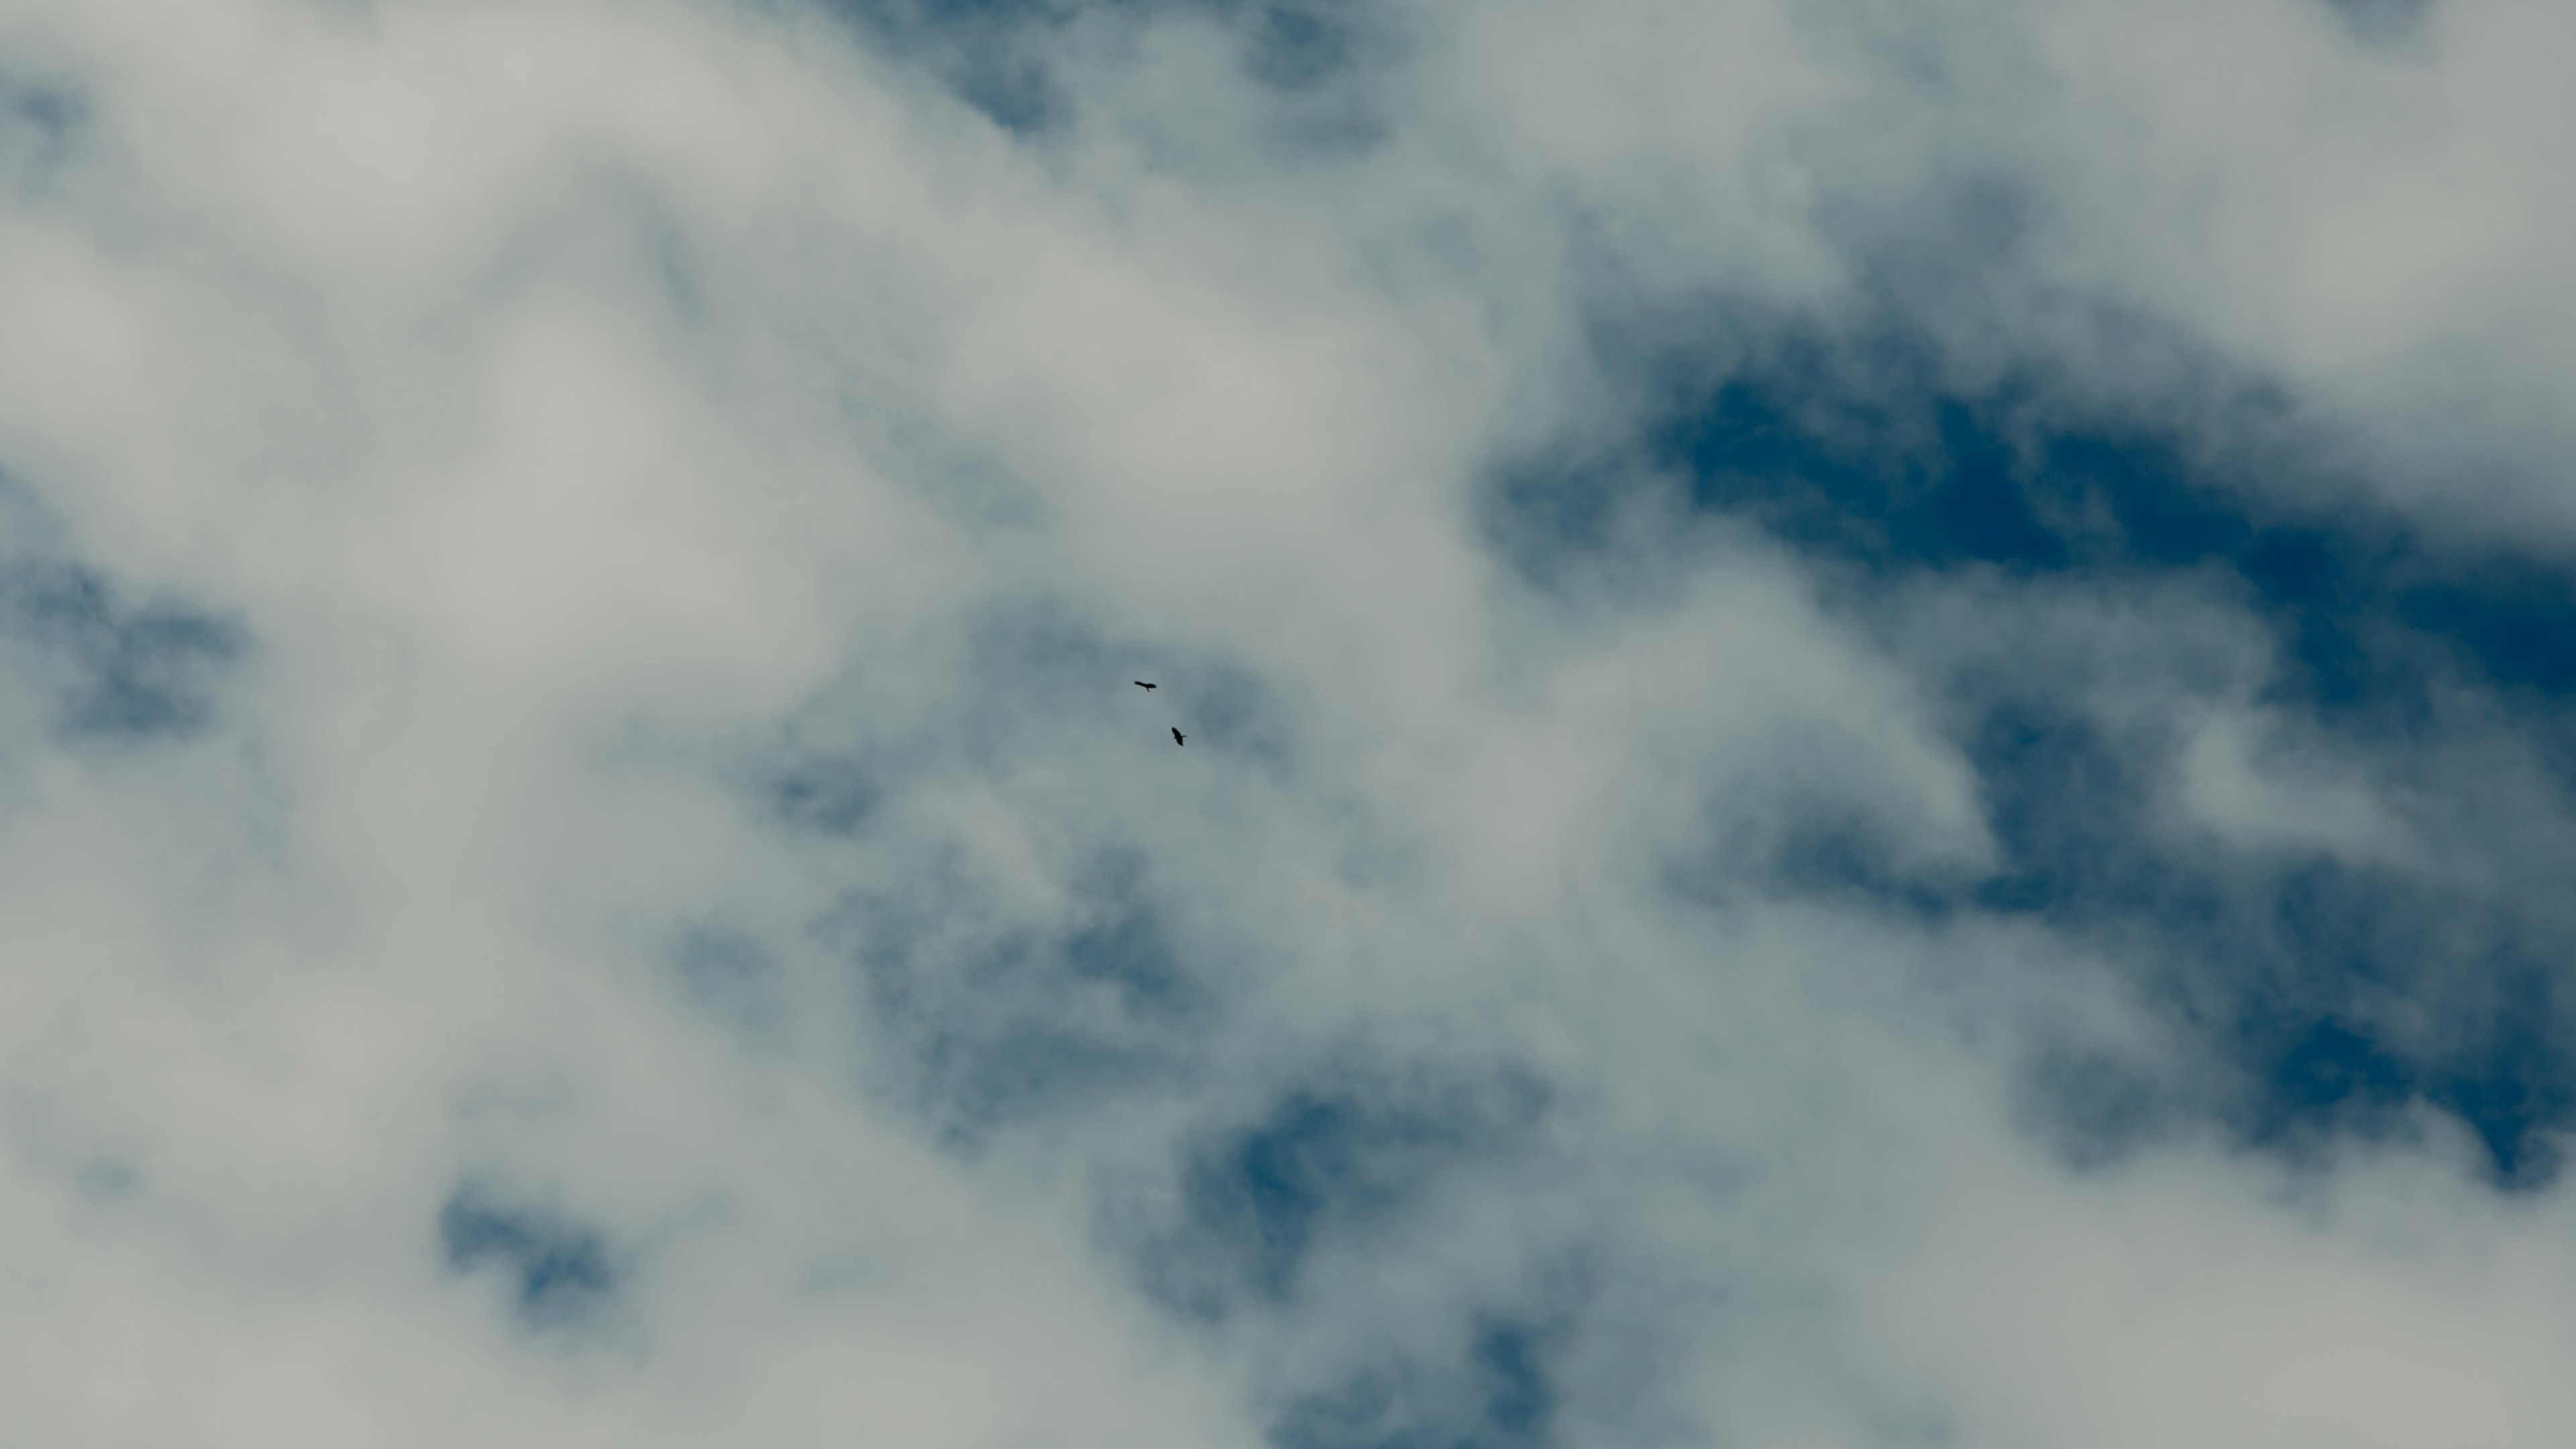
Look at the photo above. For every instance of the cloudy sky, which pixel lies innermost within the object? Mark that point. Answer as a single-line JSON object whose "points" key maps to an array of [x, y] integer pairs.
{"points": [[1881, 709]]}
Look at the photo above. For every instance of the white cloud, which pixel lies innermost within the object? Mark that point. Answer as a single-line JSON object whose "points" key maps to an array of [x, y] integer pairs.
{"points": [[581, 408], [2228, 789]]}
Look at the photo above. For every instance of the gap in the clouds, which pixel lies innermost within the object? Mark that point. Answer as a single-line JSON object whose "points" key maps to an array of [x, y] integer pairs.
{"points": [[38, 121], [1039, 677], [1303, 43], [988, 53], [822, 794], [730, 975], [144, 673], [2381, 21], [120, 673], [560, 1273], [2293, 971], [2308, 964], [990, 1020], [1003, 57], [1039, 666], [2372, 617], [2514, 1092], [2289, 965], [1330, 1162], [991, 1002], [1498, 1391]]}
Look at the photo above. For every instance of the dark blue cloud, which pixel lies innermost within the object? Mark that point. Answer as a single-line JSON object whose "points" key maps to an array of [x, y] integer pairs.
{"points": [[560, 1273], [2283, 969]]}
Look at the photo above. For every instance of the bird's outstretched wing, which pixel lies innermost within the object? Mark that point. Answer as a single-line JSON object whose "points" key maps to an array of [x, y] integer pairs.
{"points": [[1176, 738], [1140, 684]]}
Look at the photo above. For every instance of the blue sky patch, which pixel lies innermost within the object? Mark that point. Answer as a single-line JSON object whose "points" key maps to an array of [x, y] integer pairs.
{"points": [[997, 55], [50, 112], [1884, 487], [985, 51], [998, 1023], [824, 794], [1321, 1162], [1498, 1393], [559, 1272], [2382, 21], [732, 976], [122, 673]]}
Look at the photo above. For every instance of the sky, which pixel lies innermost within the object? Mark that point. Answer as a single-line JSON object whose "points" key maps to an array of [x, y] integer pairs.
{"points": [[1881, 713]]}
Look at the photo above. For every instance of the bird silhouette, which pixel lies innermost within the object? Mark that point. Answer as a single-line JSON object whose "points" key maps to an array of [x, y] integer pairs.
{"points": [[1140, 684], [1176, 738]]}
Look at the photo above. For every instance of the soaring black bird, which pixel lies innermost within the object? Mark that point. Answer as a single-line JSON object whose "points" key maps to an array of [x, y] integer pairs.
{"points": [[1140, 684], [1176, 738]]}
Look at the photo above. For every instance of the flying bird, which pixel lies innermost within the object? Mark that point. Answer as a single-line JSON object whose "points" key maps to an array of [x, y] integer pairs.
{"points": [[1140, 684], [1176, 738]]}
